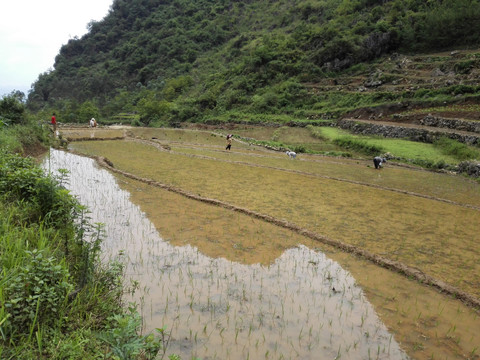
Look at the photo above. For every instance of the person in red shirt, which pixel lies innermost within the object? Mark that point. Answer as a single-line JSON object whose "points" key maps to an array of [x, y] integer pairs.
{"points": [[54, 123]]}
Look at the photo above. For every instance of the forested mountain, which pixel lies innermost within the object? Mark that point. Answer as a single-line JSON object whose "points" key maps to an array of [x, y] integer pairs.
{"points": [[174, 60]]}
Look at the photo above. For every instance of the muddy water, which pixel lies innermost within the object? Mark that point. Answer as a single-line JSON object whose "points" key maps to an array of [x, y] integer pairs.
{"points": [[299, 305], [436, 237]]}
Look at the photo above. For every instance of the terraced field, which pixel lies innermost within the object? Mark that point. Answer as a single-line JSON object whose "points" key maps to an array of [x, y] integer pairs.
{"points": [[409, 237], [426, 77]]}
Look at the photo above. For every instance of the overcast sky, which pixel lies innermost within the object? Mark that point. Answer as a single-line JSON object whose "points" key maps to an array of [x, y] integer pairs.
{"points": [[32, 32]]}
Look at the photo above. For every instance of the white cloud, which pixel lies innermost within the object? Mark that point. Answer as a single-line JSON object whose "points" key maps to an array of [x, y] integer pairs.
{"points": [[32, 32]]}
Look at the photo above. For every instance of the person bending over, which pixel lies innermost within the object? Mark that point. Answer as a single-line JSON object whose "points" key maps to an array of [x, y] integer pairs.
{"points": [[378, 162]]}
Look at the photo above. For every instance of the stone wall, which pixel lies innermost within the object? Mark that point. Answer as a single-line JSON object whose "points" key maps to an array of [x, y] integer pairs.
{"points": [[463, 125], [471, 168], [415, 134]]}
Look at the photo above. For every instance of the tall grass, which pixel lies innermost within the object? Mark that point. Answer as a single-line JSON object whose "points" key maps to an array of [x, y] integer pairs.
{"points": [[19, 137], [55, 295], [358, 145], [457, 149]]}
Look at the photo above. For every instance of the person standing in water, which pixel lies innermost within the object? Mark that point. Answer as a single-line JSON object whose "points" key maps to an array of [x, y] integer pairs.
{"points": [[229, 142]]}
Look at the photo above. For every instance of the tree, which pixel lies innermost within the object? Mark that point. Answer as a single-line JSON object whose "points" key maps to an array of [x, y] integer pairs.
{"points": [[12, 108], [86, 111]]}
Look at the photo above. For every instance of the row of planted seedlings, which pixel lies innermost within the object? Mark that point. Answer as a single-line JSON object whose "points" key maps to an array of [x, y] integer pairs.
{"points": [[299, 305], [439, 331]]}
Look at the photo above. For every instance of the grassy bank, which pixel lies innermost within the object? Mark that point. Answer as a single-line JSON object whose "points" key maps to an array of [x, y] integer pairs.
{"points": [[437, 155], [57, 300]]}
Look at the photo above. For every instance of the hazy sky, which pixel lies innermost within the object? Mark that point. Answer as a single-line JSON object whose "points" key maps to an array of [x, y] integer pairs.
{"points": [[32, 32]]}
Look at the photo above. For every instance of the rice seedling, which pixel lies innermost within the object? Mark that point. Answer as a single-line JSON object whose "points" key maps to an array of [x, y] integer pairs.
{"points": [[183, 281]]}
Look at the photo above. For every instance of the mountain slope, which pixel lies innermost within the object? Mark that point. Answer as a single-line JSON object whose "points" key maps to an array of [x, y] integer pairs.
{"points": [[185, 60]]}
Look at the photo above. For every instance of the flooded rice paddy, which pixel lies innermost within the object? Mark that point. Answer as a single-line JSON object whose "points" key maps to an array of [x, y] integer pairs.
{"points": [[223, 281], [300, 305], [437, 237]]}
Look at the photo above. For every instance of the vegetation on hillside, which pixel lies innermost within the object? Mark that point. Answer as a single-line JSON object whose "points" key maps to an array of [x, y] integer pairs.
{"points": [[57, 300], [227, 60], [18, 132]]}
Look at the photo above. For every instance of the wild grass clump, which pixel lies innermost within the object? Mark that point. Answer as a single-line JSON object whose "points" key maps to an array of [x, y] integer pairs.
{"points": [[358, 145], [121, 334], [317, 132], [457, 149], [8, 140], [16, 138]]}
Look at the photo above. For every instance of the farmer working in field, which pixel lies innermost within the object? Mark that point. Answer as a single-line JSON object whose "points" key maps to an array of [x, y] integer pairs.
{"points": [[229, 142], [378, 162]]}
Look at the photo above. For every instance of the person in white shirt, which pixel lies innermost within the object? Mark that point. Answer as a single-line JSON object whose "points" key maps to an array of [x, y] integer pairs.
{"points": [[378, 162]]}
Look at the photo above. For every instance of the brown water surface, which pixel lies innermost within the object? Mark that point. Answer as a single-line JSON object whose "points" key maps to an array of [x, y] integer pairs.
{"points": [[439, 237], [427, 324], [296, 304]]}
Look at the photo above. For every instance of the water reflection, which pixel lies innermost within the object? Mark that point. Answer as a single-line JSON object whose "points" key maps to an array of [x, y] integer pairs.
{"points": [[303, 306]]}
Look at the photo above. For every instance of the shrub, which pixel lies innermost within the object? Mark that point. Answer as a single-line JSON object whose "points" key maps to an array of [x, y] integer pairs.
{"points": [[12, 110], [266, 102], [36, 293], [123, 339], [18, 176], [21, 180], [135, 122], [457, 149], [358, 145], [299, 149], [86, 111], [152, 110]]}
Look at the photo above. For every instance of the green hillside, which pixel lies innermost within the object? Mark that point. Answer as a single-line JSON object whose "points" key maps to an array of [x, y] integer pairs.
{"points": [[224, 60]]}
